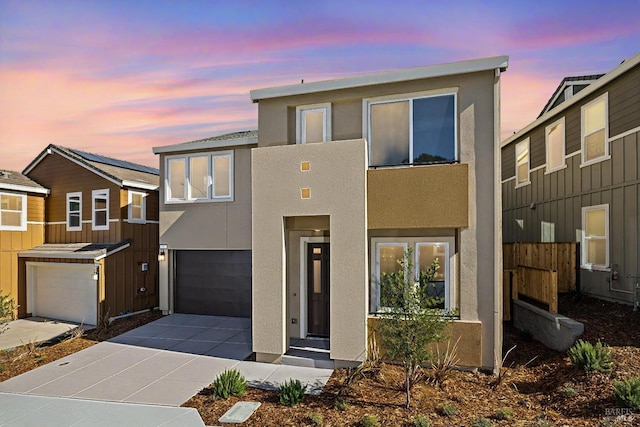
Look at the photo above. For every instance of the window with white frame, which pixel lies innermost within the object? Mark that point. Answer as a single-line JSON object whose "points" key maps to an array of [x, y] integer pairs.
{"points": [[522, 163], [100, 209], [386, 254], [554, 138], [199, 177], [74, 211], [137, 206], [595, 130], [13, 212], [415, 129], [313, 123], [595, 237]]}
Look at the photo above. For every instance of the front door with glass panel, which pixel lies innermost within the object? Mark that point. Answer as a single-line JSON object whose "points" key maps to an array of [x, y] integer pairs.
{"points": [[318, 289]]}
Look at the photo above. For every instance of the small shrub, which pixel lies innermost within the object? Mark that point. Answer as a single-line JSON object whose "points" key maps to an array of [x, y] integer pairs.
{"points": [[370, 421], [542, 421], [443, 364], [421, 421], [503, 414], [480, 422], [568, 391], [587, 357], [606, 422], [448, 410], [291, 392], [341, 404], [316, 418], [627, 392], [229, 383]]}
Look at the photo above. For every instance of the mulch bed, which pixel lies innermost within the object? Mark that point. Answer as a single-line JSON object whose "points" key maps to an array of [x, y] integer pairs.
{"points": [[539, 386], [21, 359]]}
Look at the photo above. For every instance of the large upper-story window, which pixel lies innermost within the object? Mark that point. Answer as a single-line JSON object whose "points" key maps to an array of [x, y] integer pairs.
{"points": [[13, 212], [416, 129], [595, 237], [554, 138], [199, 177], [522, 163], [100, 209], [595, 130], [74, 211], [313, 123]]}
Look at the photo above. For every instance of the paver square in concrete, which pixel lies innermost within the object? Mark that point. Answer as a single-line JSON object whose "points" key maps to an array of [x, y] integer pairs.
{"points": [[193, 347], [116, 388], [240, 412], [157, 366], [167, 392], [215, 334], [29, 380], [231, 351]]}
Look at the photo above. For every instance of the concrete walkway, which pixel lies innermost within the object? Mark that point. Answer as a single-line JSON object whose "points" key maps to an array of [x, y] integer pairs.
{"points": [[165, 362], [33, 330], [31, 411]]}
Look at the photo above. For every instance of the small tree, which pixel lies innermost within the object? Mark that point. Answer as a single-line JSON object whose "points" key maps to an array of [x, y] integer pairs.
{"points": [[7, 306], [412, 319]]}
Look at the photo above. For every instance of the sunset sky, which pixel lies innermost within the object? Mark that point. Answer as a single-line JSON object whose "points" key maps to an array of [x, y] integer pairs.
{"points": [[119, 77]]}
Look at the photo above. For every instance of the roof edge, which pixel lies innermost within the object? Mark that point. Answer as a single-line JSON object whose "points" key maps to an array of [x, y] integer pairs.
{"points": [[203, 145], [438, 70], [625, 66], [24, 188]]}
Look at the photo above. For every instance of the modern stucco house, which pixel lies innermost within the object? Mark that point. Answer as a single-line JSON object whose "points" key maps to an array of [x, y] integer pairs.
{"points": [[21, 224], [99, 254], [572, 175], [340, 179]]}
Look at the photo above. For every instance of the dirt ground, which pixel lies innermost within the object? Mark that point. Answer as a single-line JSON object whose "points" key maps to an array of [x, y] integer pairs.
{"points": [[539, 386], [27, 357]]}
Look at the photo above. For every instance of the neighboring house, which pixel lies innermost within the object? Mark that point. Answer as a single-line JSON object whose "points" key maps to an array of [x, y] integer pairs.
{"points": [[205, 225], [100, 257], [21, 224], [347, 175], [572, 176]]}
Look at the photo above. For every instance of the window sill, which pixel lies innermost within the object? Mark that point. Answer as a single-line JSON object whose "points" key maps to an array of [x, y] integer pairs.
{"points": [[524, 184], [550, 171], [11, 228], [591, 267], [594, 161], [197, 201], [408, 165]]}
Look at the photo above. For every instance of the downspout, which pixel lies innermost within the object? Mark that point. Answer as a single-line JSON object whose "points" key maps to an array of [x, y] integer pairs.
{"points": [[497, 230]]}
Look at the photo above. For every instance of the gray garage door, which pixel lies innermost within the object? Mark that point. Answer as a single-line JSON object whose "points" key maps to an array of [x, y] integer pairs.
{"points": [[213, 283]]}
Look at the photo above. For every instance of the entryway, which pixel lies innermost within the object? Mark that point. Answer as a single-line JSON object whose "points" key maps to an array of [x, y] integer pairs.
{"points": [[318, 277]]}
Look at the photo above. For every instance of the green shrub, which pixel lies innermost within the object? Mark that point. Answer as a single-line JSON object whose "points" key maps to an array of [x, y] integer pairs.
{"points": [[421, 421], [448, 410], [292, 392], [568, 391], [627, 392], [341, 404], [503, 414], [587, 357], [480, 422], [369, 421], [316, 418], [229, 383]]}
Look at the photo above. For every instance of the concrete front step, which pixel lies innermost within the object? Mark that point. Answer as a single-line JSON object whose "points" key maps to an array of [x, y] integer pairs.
{"points": [[307, 362]]}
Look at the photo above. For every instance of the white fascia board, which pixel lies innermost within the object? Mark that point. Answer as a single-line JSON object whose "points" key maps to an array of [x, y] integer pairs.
{"points": [[602, 81], [499, 62], [118, 249], [204, 145], [24, 188], [140, 185]]}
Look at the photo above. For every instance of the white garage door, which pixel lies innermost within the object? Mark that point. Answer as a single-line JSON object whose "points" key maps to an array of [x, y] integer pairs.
{"points": [[63, 292]]}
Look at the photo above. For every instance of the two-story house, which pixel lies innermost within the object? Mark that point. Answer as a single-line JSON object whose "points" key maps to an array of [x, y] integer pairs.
{"points": [[100, 251], [572, 175], [21, 224], [343, 176]]}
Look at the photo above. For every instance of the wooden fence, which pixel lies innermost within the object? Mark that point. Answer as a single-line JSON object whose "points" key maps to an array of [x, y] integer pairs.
{"points": [[538, 271]]}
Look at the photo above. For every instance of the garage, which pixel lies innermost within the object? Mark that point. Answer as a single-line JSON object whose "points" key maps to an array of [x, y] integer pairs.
{"points": [[62, 291], [213, 282]]}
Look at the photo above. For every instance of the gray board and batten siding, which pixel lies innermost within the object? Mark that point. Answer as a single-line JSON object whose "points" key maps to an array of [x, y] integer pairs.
{"points": [[552, 203]]}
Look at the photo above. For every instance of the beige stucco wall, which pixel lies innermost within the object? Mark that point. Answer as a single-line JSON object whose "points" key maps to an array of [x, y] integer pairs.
{"points": [[210, 225], [337, 183]]}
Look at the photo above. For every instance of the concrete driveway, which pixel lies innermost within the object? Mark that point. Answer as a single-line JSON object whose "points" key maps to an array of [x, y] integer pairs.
{"points": [[165, 362], [33, 330]]}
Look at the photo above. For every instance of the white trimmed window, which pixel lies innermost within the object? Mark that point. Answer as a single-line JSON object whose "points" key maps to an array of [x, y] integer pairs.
{"points": [[137, 206], [386, 253], [74, 211], [100, 209], [595, 130], [595, 237], [554, 139], [419, 128], [199, 177], [13, 212], [522, 163], [313, 123]]}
